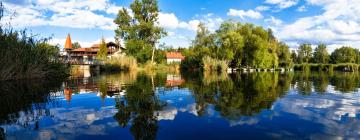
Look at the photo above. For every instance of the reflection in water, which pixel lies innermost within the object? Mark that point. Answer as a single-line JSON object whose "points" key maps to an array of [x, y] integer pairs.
{"points": [[162, 106]]}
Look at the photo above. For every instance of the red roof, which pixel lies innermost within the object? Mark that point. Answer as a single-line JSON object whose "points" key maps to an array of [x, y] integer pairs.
{"points": [[68, 44], [174, 55], [84, 50]]}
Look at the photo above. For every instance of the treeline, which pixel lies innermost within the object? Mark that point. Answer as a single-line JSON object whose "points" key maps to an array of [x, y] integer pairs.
{"points": [[343, 59], [23, 57], [238, 45], [320, 55]]}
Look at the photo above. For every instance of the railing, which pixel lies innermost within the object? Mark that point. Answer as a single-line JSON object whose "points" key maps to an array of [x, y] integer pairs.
{"points": [[80, 62]]}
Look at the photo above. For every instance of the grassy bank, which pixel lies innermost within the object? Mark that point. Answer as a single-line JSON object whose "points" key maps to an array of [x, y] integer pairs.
{"points": [[23, 57], [350, 67]]}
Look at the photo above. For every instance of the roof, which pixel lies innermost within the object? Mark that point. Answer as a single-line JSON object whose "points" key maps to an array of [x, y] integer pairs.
{"points": [[68, 44], [95, 46], [174, 55], [84, 50]]}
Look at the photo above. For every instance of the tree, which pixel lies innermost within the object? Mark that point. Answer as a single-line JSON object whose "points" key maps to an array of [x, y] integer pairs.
{"points": [[294, 56], [102, 54], [344, 55], [140, 32], [76, 45], [231, 43], [321, 55], [304, 53], [284, 55]]}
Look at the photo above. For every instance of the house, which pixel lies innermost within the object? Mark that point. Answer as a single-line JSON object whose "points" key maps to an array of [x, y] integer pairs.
{"points": [[88, 54], [174, 57]]}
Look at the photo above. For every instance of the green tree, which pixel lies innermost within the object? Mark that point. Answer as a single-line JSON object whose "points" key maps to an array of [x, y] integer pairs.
{"points": [[321, 55], [304, 53], [344, 55], [294, 56], [102, 54], [231, 43], [140, 31], [284, 55], [76, 45]]}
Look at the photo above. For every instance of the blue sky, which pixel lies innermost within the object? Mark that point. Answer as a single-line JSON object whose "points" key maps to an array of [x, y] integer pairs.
{"points": [[333, 22]]}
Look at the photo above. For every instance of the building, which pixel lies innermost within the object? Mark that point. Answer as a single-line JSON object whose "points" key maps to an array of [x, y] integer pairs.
{"points": [[174, 57], [88, 54]]}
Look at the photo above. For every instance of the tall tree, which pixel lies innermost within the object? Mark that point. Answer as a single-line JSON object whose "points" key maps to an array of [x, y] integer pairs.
{"points": [[344, 55], [76, 45], [102, 54], [284, 55], [294, 56], [140, 31], [321, 55], [304, 53]]}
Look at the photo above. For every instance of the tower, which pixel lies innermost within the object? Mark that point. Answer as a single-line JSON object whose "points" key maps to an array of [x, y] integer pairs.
{"points": [[68, 44]]}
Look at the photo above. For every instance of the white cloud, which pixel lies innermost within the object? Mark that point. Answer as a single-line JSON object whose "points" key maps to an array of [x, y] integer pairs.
{"points": [[243, 14], [301, 8], [74, 13], [170, 21], [262, 8], [77, 20], [282, 4], [337, 25], [274, 21]]}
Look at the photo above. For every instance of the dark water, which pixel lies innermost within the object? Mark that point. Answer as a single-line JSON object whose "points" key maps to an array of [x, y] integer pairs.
{"points": [[187, 106]]}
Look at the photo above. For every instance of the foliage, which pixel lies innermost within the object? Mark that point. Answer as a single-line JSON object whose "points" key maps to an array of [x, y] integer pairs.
{"points": [[321, 55], [241, 45], [103, 52], [304, 53], [140, 31], [345, 55], [76, 45], [285, 58], [25, 57]]}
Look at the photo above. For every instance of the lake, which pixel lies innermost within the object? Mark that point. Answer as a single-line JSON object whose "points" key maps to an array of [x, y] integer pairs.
{"points": [[263, 105]]}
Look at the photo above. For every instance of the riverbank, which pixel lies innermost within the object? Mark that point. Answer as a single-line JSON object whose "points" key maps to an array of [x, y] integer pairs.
{"points": [[345, 67]]}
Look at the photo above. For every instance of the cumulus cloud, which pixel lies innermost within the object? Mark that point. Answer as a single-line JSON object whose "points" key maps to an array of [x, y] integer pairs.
{"points": [[243, 14], [170, 21], [262, 8], [337, 25], [274, 21], [75, 14], [282, 4]]}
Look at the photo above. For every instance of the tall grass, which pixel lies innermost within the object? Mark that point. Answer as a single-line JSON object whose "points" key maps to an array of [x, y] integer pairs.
{"points": [[127, 63], [210, 64], [24, 57]]}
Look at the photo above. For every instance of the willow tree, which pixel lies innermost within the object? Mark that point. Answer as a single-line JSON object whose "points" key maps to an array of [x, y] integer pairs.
{"points": [[140, 30]]}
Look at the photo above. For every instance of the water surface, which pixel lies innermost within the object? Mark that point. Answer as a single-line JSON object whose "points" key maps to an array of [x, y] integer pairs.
{"points": [[184, 106]]}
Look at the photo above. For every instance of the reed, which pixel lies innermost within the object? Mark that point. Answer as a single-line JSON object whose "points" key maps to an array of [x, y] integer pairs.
{"points": [[127, 63], [24, 57], [210, 64]]}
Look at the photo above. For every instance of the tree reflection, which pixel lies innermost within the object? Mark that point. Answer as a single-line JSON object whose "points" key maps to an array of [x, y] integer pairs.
{"points": [[139, 105], [239, 94], [26, 99]]}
